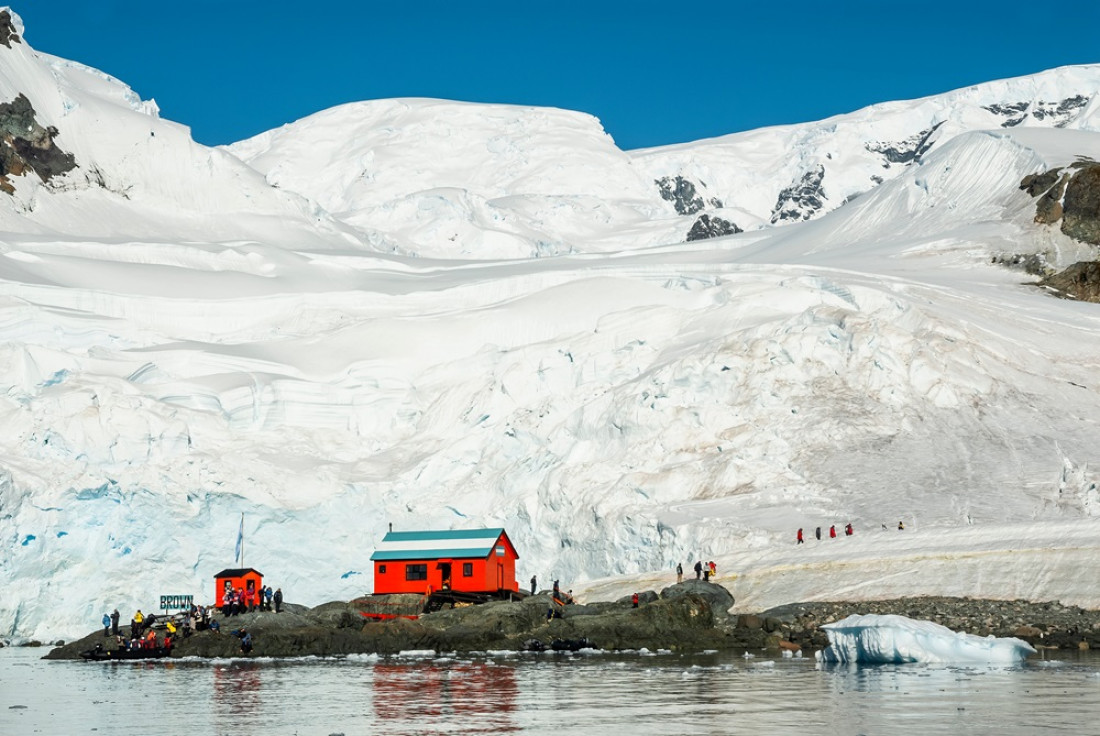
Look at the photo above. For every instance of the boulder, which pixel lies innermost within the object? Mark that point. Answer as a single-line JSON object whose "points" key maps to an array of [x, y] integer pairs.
{"points": [[1081, 205], [1079, 281], [719, 599]]}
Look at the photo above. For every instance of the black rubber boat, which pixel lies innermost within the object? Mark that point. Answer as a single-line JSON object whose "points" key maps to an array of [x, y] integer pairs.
{"points": [[100, 654]]}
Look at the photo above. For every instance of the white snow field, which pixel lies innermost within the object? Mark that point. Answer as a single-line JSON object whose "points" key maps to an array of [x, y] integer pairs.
{"points": [[447, 315], [892, 639]]}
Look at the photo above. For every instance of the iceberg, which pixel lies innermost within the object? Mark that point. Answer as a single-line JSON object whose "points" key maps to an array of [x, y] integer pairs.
{"points": [[894, 639]]}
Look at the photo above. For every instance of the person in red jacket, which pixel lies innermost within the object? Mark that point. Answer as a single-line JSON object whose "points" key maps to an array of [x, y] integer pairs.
{"points": [[634, 600], [832, 532], [800, 539], [848, 530]]}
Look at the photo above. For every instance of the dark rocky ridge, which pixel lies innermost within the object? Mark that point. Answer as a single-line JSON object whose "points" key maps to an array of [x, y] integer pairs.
{"points": [[708, 226], [26, 146], [1062, 112], [8, 33], [684, 195], [691, 616], [1080, 281], [802, 199], [907, 151], [1070, 194]]}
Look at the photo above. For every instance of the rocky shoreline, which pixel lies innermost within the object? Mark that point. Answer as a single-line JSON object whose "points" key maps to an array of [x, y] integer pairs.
{"points": [[690, 616]]}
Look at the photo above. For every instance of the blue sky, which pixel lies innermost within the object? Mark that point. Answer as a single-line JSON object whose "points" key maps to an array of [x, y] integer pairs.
{"points": [[653, 72]]}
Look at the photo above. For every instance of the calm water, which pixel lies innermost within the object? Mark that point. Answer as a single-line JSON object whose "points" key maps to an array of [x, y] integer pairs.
{"points": [[592, 694]]}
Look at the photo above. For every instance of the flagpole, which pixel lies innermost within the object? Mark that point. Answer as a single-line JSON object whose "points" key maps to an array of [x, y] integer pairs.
{"points": [[240, 542]]}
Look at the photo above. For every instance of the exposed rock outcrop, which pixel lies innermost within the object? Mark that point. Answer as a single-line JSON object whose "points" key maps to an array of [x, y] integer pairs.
{"points": [[1081, 206], [26, 145], [1072, 198], [684, 195], [690, 615], [711, 227], [802, 199], [906, 151], [9, 34], [1080, 281], [1061, 112]]}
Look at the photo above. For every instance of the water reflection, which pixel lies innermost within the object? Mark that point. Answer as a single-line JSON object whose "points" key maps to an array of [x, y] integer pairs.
{"points": [[566, 696], [447, 698], [236, 694]]}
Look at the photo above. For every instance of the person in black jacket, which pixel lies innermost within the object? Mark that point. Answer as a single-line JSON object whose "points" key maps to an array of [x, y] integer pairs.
{"points": [[278, 598]]}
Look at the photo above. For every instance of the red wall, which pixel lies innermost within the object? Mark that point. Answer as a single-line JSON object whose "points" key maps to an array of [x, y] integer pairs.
{"points": [[485, 578], [241, 582]]}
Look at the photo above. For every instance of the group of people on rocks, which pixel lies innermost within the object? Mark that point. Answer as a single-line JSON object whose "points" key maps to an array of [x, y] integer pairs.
{"points": [[848, 531], [196, 618], [239, 600]]}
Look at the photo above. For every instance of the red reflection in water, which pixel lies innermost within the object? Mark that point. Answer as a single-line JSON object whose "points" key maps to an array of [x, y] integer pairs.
{"points": [[484, 693], [237, 689]]}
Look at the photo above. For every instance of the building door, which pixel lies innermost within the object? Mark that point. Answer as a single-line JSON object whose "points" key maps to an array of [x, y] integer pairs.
{"points": [[500, 576], [445, 575]]}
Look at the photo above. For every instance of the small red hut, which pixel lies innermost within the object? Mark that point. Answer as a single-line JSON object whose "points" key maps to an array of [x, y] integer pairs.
{"points": [[464, 560], [247, 579]]}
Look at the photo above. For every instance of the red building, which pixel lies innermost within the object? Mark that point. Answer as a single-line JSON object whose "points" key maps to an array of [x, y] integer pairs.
{"points": [[247, 579], [464, 560]]}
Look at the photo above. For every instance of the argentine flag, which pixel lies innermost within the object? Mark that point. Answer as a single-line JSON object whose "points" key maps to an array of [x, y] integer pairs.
{"points": [[240, 541]]}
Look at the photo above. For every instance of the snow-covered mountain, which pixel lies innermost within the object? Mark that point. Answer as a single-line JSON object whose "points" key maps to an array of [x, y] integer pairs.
{"points": [[343, 324]]}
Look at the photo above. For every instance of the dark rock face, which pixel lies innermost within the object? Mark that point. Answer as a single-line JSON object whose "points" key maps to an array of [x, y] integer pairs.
{"points": [[8, 34], [1016, 112], [1073, 198], [1061, 112], [682, 193], [1049, 209], [1036, 184], [711, 227], [1031, 263], [1079, 281], [1081, 206], [26, 145], [802, 199], [906, 151]]}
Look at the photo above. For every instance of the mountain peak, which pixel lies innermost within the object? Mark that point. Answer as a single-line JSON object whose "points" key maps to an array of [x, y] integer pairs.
{"points": [[11, 28]]}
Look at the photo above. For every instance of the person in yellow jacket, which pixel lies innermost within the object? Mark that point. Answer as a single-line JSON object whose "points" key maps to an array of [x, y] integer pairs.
{"points": [[139, 621]]}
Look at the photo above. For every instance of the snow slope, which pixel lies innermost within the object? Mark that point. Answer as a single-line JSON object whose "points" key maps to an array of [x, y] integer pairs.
{"points": [[177, 358]]}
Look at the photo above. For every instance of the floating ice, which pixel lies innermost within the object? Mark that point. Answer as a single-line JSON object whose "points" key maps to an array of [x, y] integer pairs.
{"points": [[895, 639]]}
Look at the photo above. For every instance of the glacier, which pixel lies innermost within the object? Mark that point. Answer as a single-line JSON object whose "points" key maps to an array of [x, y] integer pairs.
{"points": [[345, 323], [892, 639]]}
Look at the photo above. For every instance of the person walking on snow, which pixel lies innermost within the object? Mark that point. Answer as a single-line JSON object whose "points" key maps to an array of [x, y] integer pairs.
{"points": [[832, 532], [848, 530], [817, 532], [800, 539]]}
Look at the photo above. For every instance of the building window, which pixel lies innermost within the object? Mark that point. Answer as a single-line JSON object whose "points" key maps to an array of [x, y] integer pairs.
{"points": [[416, 572], [467, 569], [381, 569], [500, 551]]}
